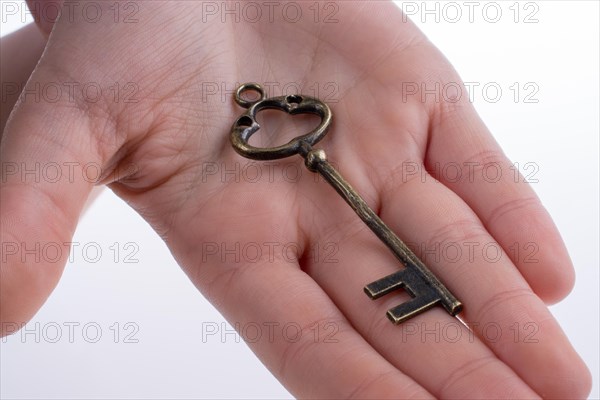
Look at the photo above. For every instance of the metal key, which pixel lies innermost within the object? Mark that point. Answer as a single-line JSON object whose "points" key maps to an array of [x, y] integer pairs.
{"points": [[426, 290]]}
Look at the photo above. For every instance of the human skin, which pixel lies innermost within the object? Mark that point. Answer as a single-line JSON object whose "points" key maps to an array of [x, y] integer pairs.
{"points": [[154, 151], [19, 53]]}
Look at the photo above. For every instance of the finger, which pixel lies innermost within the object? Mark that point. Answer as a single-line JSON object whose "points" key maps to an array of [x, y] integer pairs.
{"points": [[281, 312], [19, 53], [504, 202], [498, 304], [50, 162], [434, 349], [437, 351], [45, 13]]}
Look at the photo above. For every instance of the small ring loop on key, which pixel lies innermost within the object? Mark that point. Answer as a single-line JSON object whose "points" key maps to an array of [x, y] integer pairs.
{"points": [[245, 88]]}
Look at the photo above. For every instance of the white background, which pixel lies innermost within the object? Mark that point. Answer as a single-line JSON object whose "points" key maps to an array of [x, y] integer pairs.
{"points": [[559, 133]]}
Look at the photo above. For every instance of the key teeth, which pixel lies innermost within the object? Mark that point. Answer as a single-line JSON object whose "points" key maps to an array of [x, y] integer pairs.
{"points": [[375, 290], [424, 295], [372, 294], [395, 320], [385, 285], [411, 308]]}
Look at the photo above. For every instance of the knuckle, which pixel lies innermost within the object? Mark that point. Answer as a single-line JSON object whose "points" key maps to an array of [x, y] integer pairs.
{"points": [[296, 352], [373, 385], [464, 373], [519, 206], [491, 309], [477, 163], [457, 231]]}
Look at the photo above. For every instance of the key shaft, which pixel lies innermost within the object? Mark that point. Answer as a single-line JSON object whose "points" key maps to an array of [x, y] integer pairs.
{"points": [[316, 161]]}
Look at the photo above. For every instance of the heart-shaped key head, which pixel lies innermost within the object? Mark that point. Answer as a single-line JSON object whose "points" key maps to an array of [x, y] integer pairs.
{"points": [[245, 126]]}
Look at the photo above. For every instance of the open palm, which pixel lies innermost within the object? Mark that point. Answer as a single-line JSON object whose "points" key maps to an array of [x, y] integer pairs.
{"points": [[268, 243]]}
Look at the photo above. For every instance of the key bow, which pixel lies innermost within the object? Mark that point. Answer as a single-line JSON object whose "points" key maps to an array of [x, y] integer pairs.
{"points": [[246, 125]]}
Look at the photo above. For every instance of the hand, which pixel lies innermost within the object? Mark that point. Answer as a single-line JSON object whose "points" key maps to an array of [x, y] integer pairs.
{"points": [[20, 52], [176, 129]]}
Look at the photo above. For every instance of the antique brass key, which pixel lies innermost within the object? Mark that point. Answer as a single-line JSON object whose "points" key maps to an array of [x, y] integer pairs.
{"points": [[416, 279]]}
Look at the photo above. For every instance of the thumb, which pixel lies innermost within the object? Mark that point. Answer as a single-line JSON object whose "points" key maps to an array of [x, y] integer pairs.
{"points": [[50, 160], [45, 13]]}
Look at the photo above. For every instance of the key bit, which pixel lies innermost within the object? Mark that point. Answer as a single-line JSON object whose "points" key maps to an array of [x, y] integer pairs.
{"points": [[424, 295], [416, 279]]}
